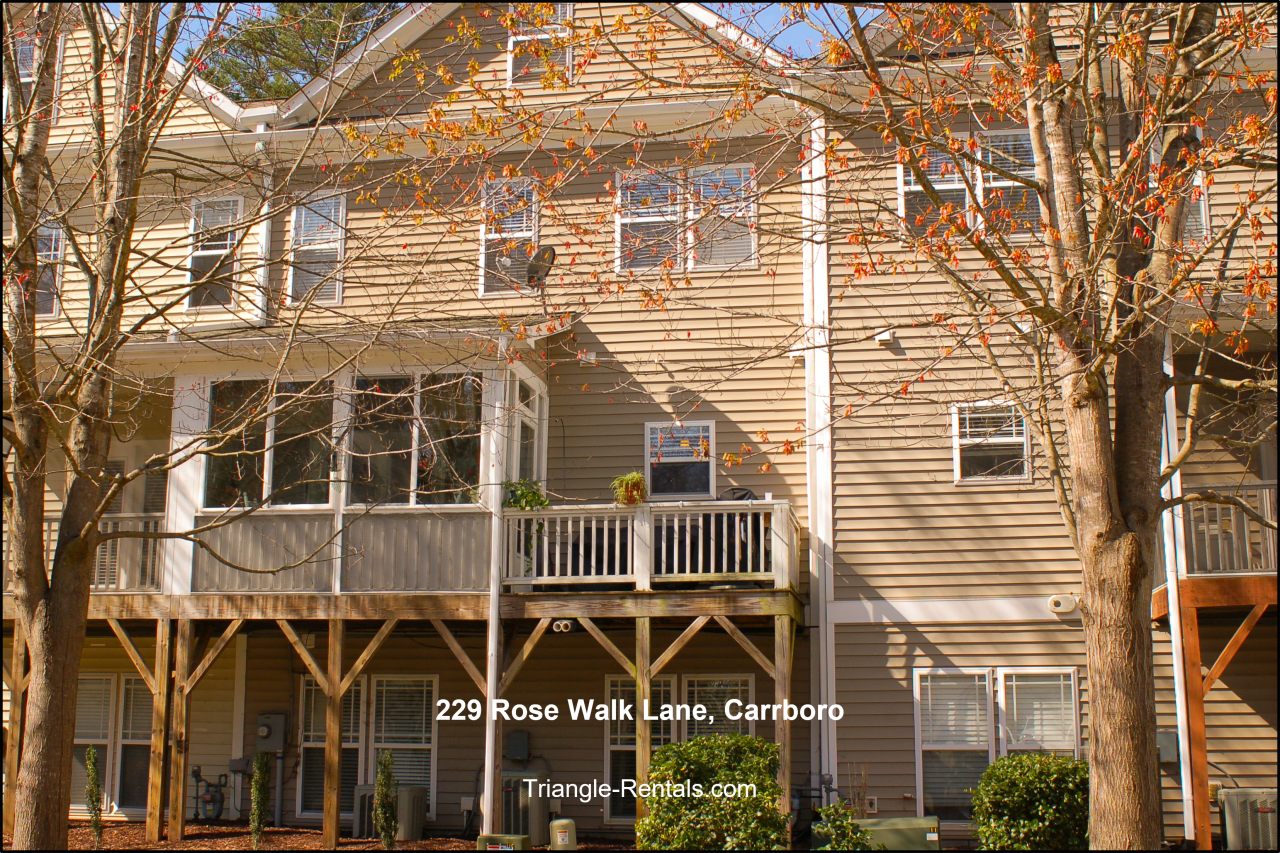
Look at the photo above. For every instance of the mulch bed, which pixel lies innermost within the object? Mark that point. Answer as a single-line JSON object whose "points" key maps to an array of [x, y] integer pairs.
{"points": [[235, 836]]}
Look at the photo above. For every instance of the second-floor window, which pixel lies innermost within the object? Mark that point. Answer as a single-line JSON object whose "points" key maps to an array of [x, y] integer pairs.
{"points": [[318, 244], [649, 222], [723, 217], [508, 234], [50, 249], [1008, 205], [989, 442], [704, 219], [538, 46], [24, 54], [681, 459], [214, 241]]}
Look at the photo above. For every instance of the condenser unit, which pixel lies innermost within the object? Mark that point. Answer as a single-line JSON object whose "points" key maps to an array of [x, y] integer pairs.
{"points": [[1248, 818], [523, 812]]}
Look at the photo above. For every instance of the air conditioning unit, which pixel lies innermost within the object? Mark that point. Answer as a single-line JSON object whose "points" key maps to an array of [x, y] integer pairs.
{"points": [[412, 804], [1248, 818], [524, 813], [362, 826]]}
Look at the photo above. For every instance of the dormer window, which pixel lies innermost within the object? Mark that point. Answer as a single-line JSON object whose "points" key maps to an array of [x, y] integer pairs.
{"points": [[538, 50]]}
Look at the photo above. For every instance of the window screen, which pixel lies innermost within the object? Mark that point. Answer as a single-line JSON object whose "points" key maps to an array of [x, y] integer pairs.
{"points": [[317, 249], [50, 248], [680, 458], [1039, 712], [449, 438], [213, 252], [714, 693], [234, 470], [955, 740], [302, 450], [312, 737], [382, 440]]}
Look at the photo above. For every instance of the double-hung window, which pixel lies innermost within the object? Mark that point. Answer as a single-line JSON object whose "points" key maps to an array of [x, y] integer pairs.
{"points": [[404, 725], [722, 232], [95, 700], [135, 744], [1038, 711], [539, 51], [919, 213], [318, 245], [714, 692], [1009, 206], [50, 251], [1194, 191], [681, 459], [620, 737], [214, 239], [311, 737], [24, 56], [526, 410], [989, 442], [508, 234], [650, 222]]}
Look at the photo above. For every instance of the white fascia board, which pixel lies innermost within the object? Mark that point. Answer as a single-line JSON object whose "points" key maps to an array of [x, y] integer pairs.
{"points": [[886, 611], [724, 30]]}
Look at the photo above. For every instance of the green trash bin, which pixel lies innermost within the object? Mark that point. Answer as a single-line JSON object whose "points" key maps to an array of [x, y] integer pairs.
{"points": [[903, 833], [503, 842]]}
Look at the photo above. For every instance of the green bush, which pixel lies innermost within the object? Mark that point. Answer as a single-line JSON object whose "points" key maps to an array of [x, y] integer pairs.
{"points": [[524, 494], [386, 821], [709, 822], [258, 797], [1033, 801], [93, 794], [843, 829]]}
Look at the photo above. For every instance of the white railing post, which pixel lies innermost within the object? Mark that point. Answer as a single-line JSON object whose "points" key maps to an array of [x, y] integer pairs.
{"points": [[780, 527], [642, 547]]}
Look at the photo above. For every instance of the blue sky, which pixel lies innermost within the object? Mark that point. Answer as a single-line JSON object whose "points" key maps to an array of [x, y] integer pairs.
{"points": [[770, 22]]}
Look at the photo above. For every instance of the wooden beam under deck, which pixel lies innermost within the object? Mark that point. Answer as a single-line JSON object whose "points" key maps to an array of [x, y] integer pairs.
{"points": [[445, 605], [1200, 592]]}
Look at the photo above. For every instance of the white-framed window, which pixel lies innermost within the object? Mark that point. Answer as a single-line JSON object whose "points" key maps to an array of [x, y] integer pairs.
{"points": [[24, 55], [415, 439], [50, 252], [404, 724], [967, 716], [649, 223], [528, 409], [713, 691], [723, 214], [318, 244], [539, 44], [680, 459], [284, 459], [620, 738], [989, 442], [95, 705], [1197, 195], [133, 752], [212, 264], [311, 732], [508, 234]]}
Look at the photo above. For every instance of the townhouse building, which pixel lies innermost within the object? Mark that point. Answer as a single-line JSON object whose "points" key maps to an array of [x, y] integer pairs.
{"points": [[365, 556]]}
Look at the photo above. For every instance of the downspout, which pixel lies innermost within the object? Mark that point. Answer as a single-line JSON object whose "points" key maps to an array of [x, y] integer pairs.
{"points": [[1175, 567], [264, 237], [493, 670]]}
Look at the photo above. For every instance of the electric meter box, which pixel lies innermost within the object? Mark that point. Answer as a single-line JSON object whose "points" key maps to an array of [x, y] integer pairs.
{"points": [[271, 731]]}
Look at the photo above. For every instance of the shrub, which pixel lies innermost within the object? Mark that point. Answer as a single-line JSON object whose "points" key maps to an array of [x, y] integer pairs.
{"points": [[709, 822], [524, 494], [93, 794], [386, 822], [842, 827], [258, 797], [1033, 801]]}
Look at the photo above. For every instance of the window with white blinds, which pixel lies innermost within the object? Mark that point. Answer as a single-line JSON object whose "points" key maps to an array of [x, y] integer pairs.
{"points": [[94, 700], [650, 221], [318, 244], [990, 441], [50, 252], [539, 48], [311, 735], [714, 691], [1038, 711], [134, 759], [620, 737], [508, 234], [723, 211], [1008, 205], [404, 725], [214, 241], [954, 733]]}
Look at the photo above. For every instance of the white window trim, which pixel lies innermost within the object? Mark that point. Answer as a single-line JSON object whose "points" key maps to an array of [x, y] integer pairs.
{"points": [[956, 444], [711, 461], [371, 771], [1197, 183], [362, 740], [513, 39], [1001, 703], [916, 674], [609, 681], [712, 676], [752, 218], [192, 251], [533, 235], [107, 756], [57, 262], [117, 749], [536, 417], [679, 222], [340, 244]]}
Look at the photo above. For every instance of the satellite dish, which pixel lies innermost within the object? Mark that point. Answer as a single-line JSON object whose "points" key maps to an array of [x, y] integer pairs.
{"points": [[540, 266]]}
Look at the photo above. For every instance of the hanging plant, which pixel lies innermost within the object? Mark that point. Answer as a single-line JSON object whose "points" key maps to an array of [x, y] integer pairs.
{"points": [[630, 489]]}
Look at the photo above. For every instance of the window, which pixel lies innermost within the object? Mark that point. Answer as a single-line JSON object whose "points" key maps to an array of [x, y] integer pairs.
{"points": [[916, 208], [135, 744], [318, 243], [527, 412], [382, 441], [620, 737], [538, 49], [714, 691], [649, 222], [24, 54], [681, 459], [311, 738], [508, 234], [404, 725], [50, 250], [213, 252], [953, 730], [1008, 206], [990, 442], [1197, 225], [448, 446], [1037, 709], [289, 469], [722, 231], [94, 695]]}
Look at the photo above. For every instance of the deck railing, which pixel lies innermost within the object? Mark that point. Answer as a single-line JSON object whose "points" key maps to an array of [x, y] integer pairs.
{"points": [[120, 565], [684, 541], [1224, 539]]}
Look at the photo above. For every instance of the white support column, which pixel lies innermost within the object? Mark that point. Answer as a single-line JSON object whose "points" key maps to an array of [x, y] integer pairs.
{"points": [[642, 547], [493, 464], [343, 387], [189, 418]]}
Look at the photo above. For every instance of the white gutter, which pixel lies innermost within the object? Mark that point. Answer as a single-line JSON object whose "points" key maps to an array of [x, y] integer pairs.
{"points": [[1175, 566]]}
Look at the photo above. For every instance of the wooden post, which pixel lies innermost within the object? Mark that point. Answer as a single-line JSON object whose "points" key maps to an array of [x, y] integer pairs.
{"points": [[17, 706], [178, 759], [782, 655], [159, 733], [1196, 724], [333, 739], [644, 729]]}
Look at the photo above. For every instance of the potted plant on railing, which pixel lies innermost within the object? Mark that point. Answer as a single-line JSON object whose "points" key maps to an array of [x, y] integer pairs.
{"points": [[527, 495], [630, 489]]}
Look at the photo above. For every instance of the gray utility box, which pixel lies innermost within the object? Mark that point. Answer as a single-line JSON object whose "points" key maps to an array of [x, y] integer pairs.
{"points": [[271, 730], [895, 833], [503, 842]]}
